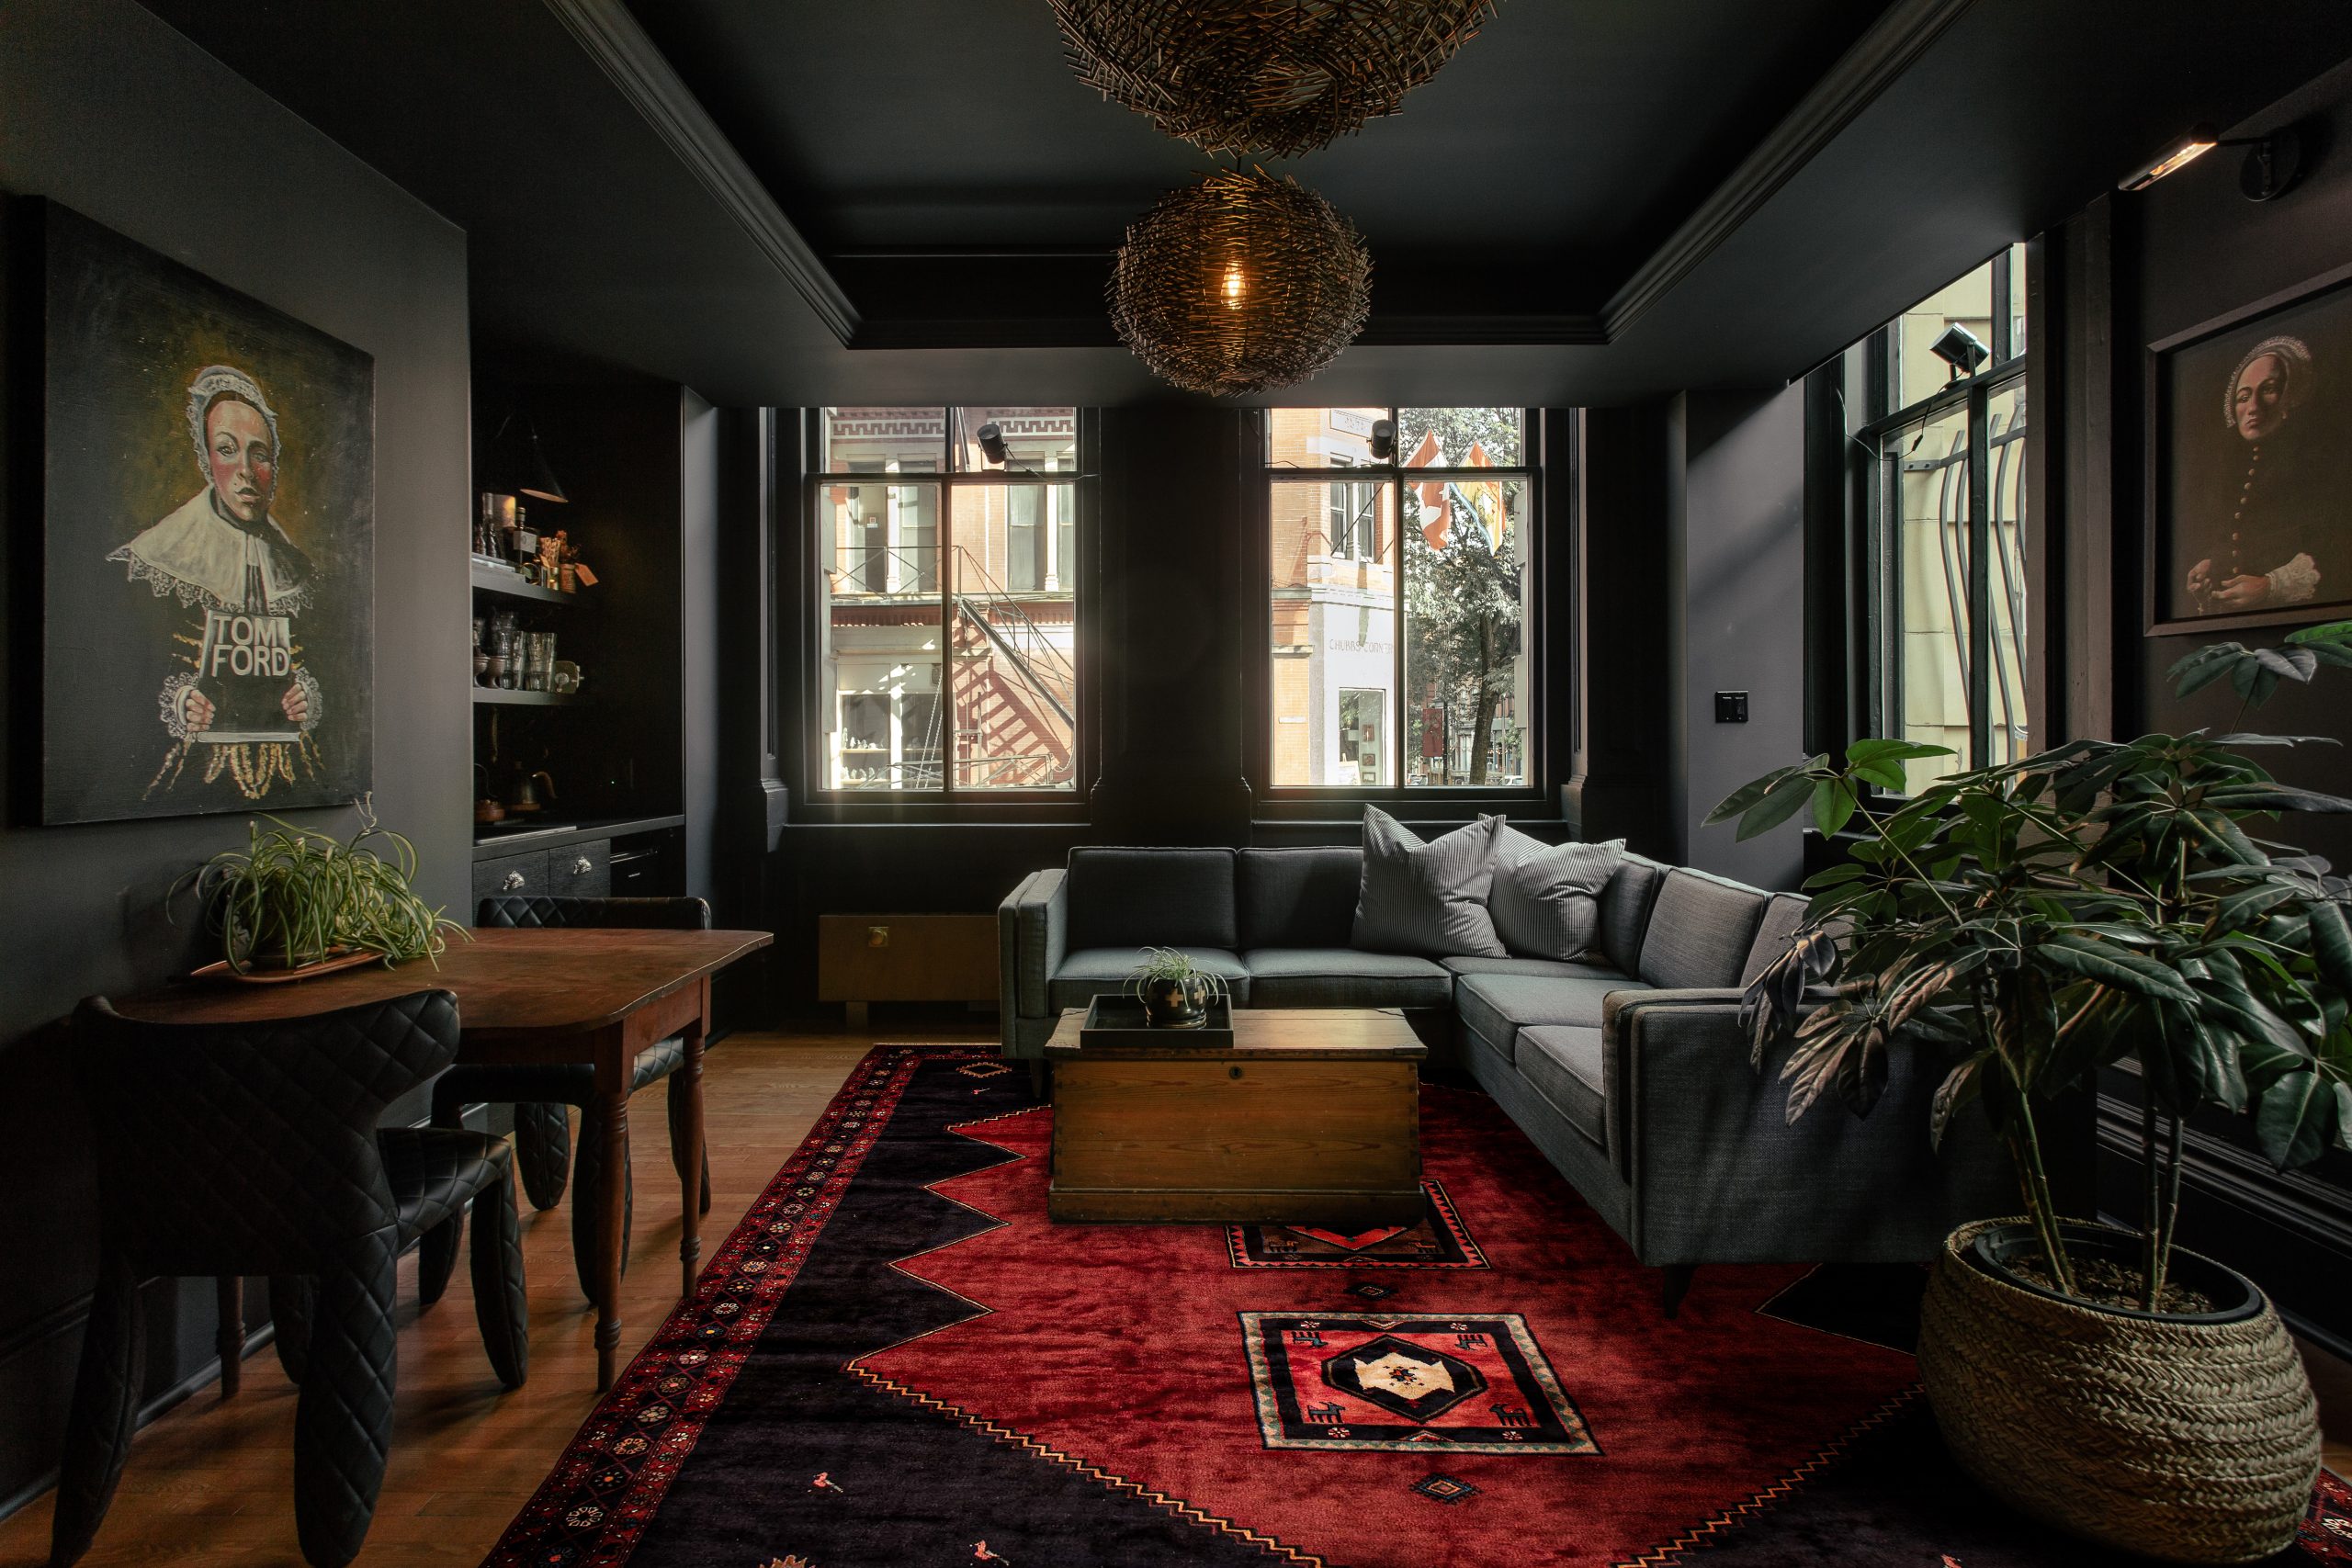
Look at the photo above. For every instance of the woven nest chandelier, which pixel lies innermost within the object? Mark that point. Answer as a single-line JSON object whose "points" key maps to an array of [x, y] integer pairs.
{"points": [[1241, 284], [1276, 78]]}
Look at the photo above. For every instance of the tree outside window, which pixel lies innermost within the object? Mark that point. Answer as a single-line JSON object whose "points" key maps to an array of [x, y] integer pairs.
{"points": [[1406, 580]]}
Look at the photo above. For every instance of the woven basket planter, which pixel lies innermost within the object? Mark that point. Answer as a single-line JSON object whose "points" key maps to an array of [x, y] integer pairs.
{"points": [[2186, 1438]]}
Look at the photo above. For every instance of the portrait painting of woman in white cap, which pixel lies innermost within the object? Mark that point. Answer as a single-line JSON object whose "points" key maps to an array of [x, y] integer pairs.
{"points": [[210, 493], [2261, 523], [222, 551]]}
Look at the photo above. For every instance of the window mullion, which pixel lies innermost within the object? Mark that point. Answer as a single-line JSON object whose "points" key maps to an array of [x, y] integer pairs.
{"points": [[950, 737], [1397, 626], [1980, 583]]}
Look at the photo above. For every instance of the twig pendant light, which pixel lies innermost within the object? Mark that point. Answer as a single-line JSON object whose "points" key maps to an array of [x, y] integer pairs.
{"points": [[1274, 77], [1241, 284]]}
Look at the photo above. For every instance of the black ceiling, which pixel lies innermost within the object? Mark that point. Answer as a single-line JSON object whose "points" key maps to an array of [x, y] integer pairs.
{"points": [[1532, 175], [801, 201]]}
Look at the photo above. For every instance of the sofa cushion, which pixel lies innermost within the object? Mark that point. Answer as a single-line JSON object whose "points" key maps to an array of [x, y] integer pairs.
{"points": [[1090, 971], [1546, 897], [1625, 909], [1343, 977], [1498, 1006], [1579, 969], [1564, 1065], [1426, 898], [1133, 897], [1699, 932], [1774, 933], [1297, 897]]}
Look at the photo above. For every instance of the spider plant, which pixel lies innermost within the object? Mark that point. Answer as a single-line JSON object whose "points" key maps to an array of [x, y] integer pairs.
{"points": [[1175, 992], [2037, 921], [296, 897]]}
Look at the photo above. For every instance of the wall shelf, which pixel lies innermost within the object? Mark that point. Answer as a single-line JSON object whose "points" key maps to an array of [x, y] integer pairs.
{"points": [[508, 585], [528, 699]]}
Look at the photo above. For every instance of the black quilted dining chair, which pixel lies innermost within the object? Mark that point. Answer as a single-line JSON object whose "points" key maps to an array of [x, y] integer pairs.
{"points": [[539, 1092], [252, 1149]]}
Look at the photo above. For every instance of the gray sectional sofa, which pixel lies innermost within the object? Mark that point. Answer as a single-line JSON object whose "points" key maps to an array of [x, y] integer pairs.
{"points": [[1627, 1068]]}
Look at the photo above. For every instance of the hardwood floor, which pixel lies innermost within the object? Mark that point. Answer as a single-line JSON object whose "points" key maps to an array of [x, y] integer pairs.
{"points": [[211, 1482]]}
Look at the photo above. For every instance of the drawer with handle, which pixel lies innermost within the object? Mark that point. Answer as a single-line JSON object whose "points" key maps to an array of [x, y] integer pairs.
{"points": [[511, 876], [582, 871]]}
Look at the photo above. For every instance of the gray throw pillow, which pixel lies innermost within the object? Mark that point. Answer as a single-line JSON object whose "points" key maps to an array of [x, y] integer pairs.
{"points": [[1429, 899], [1545, 901]]}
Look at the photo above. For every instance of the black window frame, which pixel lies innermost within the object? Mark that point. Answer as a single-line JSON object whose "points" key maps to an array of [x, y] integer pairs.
{"points": [[1878, 672], [946, 801], [1533, 798]]}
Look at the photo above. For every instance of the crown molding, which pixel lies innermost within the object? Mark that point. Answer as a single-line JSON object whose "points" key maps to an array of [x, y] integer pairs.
{"points": [[1894, 43], [621, 50]]}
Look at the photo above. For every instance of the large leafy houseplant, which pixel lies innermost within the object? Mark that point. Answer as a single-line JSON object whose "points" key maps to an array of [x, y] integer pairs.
{"points": [[2038, 920], [295, 897]]}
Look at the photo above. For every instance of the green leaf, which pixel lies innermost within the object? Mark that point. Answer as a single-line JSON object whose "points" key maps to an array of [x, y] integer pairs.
{"points": [[2275, 798], [1782, 801], [2262, 1060], [2205, 666], [1888, 776], [1747, 795], [1833, 804], [2332, 940], [2334, 631], [2295, 1120], [1879, 751], [1961, 1085], [2243, 905], [2113, 965], [2288, 663]]}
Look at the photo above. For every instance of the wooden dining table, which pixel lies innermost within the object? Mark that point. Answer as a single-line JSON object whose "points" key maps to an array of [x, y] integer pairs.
{"points": [[596, 995]]}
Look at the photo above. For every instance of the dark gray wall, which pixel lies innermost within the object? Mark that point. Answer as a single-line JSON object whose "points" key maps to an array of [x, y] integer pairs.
{"points": [[701, 565], [2130, 271], [106, 109], [1741, 581]]}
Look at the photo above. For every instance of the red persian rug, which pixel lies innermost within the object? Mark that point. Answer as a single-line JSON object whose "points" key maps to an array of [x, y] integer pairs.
{"points": [[897, 1360]]}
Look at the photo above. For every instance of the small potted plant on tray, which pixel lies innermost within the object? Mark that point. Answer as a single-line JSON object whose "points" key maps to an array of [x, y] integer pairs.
{"points": [[296, 902], [2031, 924], [1175, 992]]}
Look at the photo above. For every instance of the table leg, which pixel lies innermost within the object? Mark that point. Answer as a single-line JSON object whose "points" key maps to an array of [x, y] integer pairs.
{"points": [[231, 1341], [690, 1159], [612, 1094]]}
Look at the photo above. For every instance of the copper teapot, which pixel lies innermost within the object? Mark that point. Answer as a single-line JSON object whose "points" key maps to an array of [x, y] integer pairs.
{"points": [[522, 797]]}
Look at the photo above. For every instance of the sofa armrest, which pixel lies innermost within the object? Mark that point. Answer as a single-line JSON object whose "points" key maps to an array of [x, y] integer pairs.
{"points": [[1718, 1174], [1033, 934], [1614, 1004]]}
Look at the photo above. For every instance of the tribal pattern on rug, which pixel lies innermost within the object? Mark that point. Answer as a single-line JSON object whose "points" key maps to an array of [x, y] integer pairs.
{"points": [[896, 1360], [1420, 1382], [1437, 1240]]}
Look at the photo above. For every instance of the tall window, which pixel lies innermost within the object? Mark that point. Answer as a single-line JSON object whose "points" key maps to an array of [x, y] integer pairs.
{"points": [[1400, 600], [1944, 527], [949, 662]]}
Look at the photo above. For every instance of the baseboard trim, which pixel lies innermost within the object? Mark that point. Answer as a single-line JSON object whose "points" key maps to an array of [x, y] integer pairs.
{"points": [[179, 1393]]}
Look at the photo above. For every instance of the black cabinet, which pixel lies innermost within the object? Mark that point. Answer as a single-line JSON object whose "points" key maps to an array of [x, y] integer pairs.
{"points": [[582, 871], [511, 876]]}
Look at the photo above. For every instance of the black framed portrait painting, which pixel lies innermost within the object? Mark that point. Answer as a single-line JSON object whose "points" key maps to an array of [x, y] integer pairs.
{"points": [[209, 480], [2250, 464]]}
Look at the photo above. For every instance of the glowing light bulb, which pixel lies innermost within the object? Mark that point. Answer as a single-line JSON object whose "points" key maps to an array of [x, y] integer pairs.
{"points": [[1233, 287]]}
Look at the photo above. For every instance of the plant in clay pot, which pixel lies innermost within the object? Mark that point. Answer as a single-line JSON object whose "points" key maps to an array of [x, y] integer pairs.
{"points": [[2101, 903], [1175, 992], [296, 899]]}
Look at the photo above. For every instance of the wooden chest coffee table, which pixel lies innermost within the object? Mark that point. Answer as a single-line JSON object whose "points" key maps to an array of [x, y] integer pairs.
{"points": [[1312, 1118]]}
